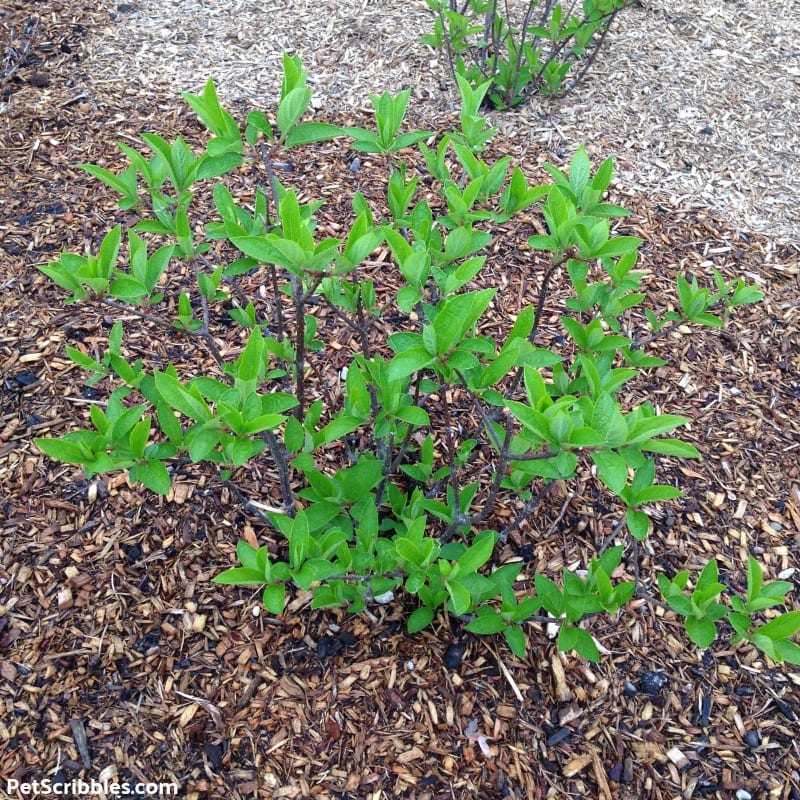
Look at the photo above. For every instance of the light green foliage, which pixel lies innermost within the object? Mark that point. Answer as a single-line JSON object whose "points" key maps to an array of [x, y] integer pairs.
{"points": [[702, 610], [403, 508], [547, 49]]}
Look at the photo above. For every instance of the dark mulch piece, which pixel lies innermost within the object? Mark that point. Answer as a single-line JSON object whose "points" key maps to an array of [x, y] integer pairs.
{"points": [[119, 658]]}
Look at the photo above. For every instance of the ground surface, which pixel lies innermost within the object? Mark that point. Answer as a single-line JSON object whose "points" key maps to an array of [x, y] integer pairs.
{"points": [[110, 627]]}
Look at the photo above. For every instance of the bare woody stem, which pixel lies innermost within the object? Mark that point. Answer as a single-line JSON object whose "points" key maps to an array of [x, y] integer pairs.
{"points": [[278, 452], [200, 333], [300, 298], [204, 331], [537, 317], [526, 511], [115, 304], [451, 463]]}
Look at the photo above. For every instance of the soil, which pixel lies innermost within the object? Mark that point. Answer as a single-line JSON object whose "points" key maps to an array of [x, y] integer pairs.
{"points": [[120, 660]]}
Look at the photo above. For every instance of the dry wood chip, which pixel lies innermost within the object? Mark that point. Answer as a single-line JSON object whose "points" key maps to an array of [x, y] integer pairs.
{"points": [[576, 765], [81, 741], [562, 691]]}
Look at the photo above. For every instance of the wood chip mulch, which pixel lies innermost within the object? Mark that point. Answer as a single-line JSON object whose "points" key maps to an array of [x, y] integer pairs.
{"points": [[119, 659]]}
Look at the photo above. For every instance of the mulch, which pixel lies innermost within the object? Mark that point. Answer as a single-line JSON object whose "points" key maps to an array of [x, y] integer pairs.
{"points": [[119, 658]]}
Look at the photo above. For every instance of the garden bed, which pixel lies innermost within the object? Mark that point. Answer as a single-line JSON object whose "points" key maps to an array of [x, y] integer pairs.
{"points": [[119, 657]]}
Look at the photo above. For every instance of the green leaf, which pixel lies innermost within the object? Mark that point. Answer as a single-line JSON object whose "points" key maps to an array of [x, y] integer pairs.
{"points": [[549, 594], [618, 246], [708, 577], [408, 362], [533, 420], [487, 623], [310, 132], [364, 141], [60, 274], [670, 447], [127, 189], [572, 638], [261, 248], [153, 474], [358, 480], [62, 451], [407, 139], [579, 171], [413, 415], [586, 437], [127, 288], [109, 251], [781, 627], [274, 598], [240, 576], [504, 577], [298, 541], [420, 619], [415, 267], [638, 524], [608, 420], [251, 361], [258, 123], [188, 401], [336, 429], [788, 651], [645, 429], [138, 437], [710, 320], [457, 315], [516, 639], [169, 424], [754, 579], [701, 631], [542, 242], [216, 118], [249, 556], [212, 166], [603, 175], [612, 469], [776, 590], [477, 555], [460, 597], [292, 107], [680, 604], [657, 494]]}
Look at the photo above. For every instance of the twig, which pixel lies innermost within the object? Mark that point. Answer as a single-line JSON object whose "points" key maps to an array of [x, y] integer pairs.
{"points": [[107, 301], [278, 452], [661, 332], [494, 491], [254, 506], [561, 513], [451, 463], [537, 317], [527, 510]]}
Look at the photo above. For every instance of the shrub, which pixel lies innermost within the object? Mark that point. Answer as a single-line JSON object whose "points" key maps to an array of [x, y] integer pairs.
{"points": [[547, 51], [410, 504]]}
